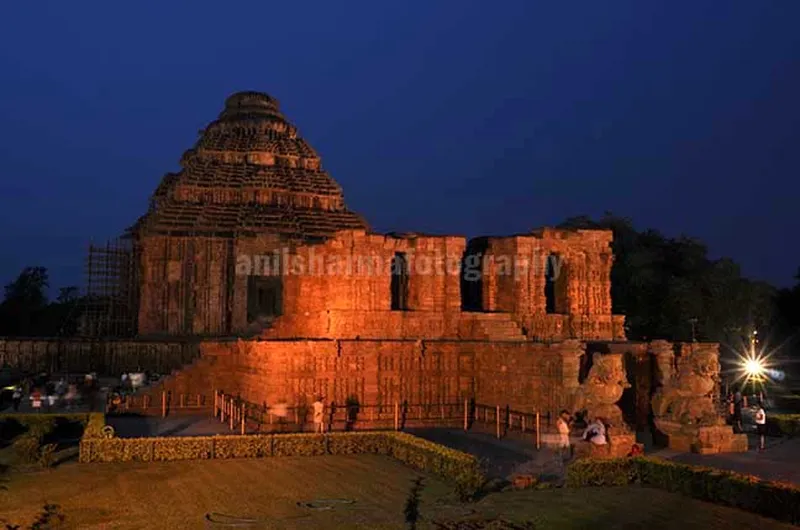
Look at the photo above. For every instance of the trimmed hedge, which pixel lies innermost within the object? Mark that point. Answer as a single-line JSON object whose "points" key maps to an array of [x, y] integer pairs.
{"points": [[771, 499], [784, 424], [31, 433], [461, 468]]}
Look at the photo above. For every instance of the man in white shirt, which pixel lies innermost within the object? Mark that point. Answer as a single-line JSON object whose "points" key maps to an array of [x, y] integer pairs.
{"points": [[319, 415]]}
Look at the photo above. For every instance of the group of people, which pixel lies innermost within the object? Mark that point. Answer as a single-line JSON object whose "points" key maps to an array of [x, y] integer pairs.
{"points": [[594, 433], [737, 402], [48, 395], [280, 411]]}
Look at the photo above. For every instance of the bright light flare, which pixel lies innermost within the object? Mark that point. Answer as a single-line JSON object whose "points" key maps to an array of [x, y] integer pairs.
{"points": [[754, 367]]}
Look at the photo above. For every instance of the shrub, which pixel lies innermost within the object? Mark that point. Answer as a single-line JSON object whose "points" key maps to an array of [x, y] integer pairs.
{"points": [[94, 425], [461, 468], [299, 445], [47, 455], [26, 449], [188, 448], [784, 424], [771, 499]]}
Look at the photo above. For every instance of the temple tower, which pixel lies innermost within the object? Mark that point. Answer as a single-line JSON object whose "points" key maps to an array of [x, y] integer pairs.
{"points": [[250, 182]]}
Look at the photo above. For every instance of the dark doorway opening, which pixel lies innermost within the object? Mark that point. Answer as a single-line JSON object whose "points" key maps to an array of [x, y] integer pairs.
{"points": [[399, 285], [555, 285], [472, 274], [264, 298]]}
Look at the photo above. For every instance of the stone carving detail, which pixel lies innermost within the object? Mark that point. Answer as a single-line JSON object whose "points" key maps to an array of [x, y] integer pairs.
{"points": [[603, 388], [687, 396], [683, 406]]}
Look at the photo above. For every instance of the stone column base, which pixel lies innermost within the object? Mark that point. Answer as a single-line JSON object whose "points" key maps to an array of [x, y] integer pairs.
{"points": [[704, 440], [618, 446]]}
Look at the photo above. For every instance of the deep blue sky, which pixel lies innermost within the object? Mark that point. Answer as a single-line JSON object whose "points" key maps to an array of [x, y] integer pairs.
{"points": [[441, 116]]}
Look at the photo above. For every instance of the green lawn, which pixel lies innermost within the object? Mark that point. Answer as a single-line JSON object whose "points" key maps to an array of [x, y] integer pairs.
{"points": [[178, 495]]}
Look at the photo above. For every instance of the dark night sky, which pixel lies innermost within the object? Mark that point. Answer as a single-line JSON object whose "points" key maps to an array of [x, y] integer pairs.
{"points": [[438, 116]]}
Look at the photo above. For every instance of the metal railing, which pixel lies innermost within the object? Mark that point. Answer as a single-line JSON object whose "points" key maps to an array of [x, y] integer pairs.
{"points": [[167, 402], [244, 417]]}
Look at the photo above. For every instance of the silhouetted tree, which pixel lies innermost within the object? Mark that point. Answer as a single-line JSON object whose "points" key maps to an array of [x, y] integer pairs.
{"points": [[25, 299], [670, 289]]}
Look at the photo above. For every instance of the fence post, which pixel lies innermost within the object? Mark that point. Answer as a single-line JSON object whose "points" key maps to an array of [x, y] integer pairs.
{"points": [[215, 403], [244, 417], [396, 416], [199, 404], [538, 437], [231, 412], [163, 403], [466, 415], [497, 420], [522, 421], [182, 401]]}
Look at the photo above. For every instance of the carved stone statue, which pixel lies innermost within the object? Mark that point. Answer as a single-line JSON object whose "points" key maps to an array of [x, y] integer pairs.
{"points": [[683, 407], [687, 397], [599, 393]]}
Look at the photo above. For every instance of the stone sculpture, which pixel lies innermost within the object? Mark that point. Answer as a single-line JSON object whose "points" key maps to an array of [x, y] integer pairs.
{"points": [[599, 393], [687, 397], [683, 407]]}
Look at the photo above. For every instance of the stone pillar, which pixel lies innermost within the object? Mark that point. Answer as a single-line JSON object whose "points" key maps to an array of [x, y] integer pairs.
{"points": [[571, 352], [664, 357]]}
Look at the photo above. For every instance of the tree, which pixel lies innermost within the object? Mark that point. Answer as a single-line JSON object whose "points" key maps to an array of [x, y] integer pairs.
{"points": [[25, 299], [669, 289]]}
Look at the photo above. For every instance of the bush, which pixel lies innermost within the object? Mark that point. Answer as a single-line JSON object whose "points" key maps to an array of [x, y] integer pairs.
{"points": [[771, 499], [26, 449], [461, 468], [784, 424], [47, 455], [94, 425]]}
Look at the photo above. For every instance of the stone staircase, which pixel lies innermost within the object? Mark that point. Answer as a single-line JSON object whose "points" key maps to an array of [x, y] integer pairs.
{"points": [[496, 326], [199, 378]]}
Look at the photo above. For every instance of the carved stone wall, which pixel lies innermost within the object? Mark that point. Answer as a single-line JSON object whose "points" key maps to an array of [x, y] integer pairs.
{"points": [[525, 376], [109, 357]]}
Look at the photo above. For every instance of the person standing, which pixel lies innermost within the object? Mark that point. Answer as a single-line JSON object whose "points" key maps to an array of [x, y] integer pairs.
{"points": [[761, 426], [319, 415], [563, 429], [738, 404], [281, 413], [36, 400], [16, 398]]}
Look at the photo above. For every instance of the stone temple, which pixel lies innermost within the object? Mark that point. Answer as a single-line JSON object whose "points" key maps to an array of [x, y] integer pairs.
{"points": [[253, 233], [251, 249]]}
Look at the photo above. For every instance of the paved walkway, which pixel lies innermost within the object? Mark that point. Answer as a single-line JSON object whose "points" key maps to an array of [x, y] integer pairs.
{"points": [[141, 426], [780, 461], [503, 458], [507, 457]]}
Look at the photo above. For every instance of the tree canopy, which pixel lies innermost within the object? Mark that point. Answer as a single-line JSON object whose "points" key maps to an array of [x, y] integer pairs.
{"points": [[670, 289]]}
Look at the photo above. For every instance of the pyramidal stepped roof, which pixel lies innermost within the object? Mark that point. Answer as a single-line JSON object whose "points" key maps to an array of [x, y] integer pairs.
{"points": [[250, 171]]}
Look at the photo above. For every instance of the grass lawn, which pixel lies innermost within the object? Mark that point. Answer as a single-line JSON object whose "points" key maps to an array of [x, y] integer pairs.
{"points": [[178, 495]]}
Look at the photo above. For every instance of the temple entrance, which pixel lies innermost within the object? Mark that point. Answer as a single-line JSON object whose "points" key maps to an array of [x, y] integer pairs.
{"points": [[399, 285], [472, 275], [264, 297]]}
